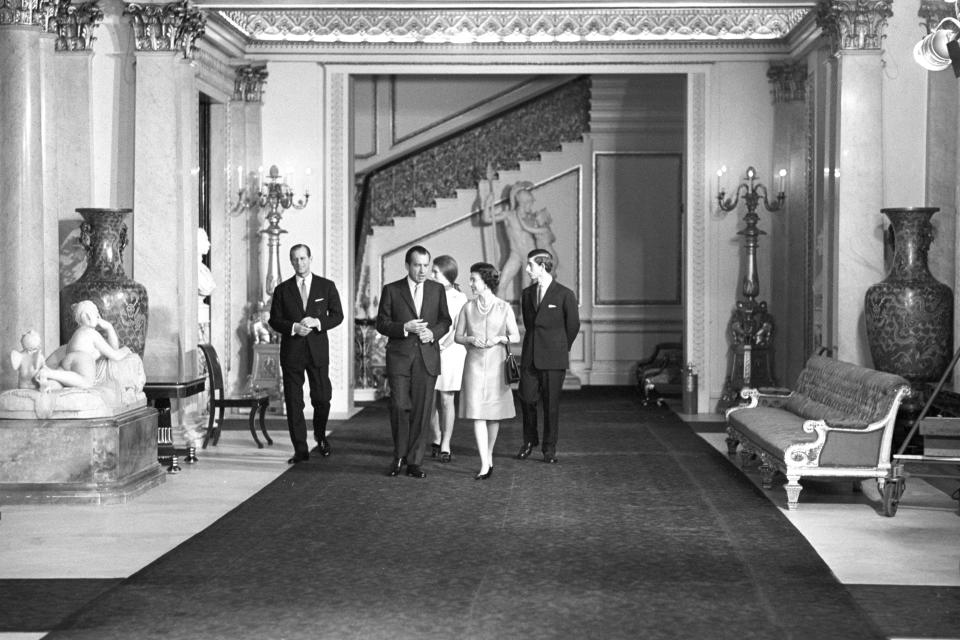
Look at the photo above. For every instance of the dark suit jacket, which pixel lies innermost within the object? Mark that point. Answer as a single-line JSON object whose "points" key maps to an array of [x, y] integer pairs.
{"points": [[287, 308], [396, 308], [551, 328]]}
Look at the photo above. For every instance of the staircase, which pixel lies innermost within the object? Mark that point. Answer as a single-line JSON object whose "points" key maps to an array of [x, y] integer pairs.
{"points": [[456, 217]]}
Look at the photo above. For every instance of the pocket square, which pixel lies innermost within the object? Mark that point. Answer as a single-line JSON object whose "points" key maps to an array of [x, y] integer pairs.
{"points": [[551, 306], [319, 300]]}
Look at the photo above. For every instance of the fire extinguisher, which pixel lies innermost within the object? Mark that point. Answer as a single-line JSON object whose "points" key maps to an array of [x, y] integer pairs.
{"points": [[690, 385]]}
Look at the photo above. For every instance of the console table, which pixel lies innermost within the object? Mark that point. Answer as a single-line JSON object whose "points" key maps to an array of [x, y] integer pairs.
{"points": [[159, 393]]}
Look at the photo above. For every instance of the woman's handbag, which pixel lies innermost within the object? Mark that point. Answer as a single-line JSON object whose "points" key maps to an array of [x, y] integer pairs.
{"points": [[511, 367]]}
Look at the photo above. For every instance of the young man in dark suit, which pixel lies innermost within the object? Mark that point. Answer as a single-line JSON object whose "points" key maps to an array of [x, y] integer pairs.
{"points": [[413, 315], [551, 318], [304, 308]]}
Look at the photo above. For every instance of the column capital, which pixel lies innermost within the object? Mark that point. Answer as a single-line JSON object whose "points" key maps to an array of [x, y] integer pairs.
{"points": [[74, 24], [166, 27], [248, 85], [789, 80], [933, 11], [28, 13], [854, 24]]}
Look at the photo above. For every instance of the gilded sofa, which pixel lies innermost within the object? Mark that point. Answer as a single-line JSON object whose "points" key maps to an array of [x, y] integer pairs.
{"points": [[837, 422]]}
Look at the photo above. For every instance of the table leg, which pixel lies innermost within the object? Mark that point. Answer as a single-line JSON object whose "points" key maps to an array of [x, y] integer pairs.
{"points": [[165, 450]]}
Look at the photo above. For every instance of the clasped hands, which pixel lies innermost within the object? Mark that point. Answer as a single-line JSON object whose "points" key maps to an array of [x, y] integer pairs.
{"points": [[305, 326], [419, 327], [484, 343]]}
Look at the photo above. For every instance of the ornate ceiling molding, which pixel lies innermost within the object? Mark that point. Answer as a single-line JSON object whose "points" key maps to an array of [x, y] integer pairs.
{"points": [[933, 11], [75, 24], [789, 80], [514, 26], [30, 13], [173, 26], [855, 24]]}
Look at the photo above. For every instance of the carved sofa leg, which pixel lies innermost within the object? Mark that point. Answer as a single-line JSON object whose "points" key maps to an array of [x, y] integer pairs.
{"points": [[793, 490], [732, 442], [767, 471]]}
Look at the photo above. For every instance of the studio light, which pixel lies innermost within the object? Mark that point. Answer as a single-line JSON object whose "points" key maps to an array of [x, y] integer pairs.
{"points": [[939, 49]]}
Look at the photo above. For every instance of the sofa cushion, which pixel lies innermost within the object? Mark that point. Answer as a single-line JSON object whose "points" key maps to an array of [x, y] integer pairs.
{"points": [[771, 429], [806, 407], [845, 391]]}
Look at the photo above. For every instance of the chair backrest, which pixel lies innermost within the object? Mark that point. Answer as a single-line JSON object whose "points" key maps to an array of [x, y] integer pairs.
{"points": [[214, 371]]}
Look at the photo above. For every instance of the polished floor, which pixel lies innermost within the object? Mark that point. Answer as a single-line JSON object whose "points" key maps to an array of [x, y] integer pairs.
{"points": [[919, 546]]}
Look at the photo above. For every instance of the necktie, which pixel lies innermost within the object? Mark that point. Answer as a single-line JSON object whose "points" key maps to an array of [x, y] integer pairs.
{"points": [[418, 297], [539, 295], [303, 292]]}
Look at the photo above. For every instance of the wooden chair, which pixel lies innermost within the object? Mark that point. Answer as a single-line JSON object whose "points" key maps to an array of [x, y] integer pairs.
{"points": [[255, 401]]}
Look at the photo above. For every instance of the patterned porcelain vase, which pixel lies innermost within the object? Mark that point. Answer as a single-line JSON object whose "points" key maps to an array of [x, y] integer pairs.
{"points": [[909, 315], [122, 302]]}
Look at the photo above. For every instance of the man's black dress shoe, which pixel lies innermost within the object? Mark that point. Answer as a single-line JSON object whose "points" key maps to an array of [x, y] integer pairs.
{"points": [[323, 447], [414, 471], [525, 451], [550, 458], [298, 457], [396, 467]]}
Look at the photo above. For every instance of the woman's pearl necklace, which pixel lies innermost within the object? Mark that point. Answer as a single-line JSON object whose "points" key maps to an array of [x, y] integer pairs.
{"points": [[480, 305]]}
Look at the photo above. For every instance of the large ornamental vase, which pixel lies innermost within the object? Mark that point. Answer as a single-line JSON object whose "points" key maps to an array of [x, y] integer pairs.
{"points": [[909, 314], [122, 301]]}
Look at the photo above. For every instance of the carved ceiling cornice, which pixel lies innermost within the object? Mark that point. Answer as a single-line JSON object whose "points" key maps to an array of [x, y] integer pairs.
{"points": [[514, 25], [933, 11]]}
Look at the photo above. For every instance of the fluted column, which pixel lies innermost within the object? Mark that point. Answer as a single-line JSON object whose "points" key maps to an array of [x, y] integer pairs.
{"points": [[246, 153], [338, 232], [856, 31], [165, 203], [27, 296], [789, 246], [70, 165], [941, 162]]}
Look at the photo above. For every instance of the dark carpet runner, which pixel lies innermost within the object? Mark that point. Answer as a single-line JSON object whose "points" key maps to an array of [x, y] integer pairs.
{"points": [[641, 531]]}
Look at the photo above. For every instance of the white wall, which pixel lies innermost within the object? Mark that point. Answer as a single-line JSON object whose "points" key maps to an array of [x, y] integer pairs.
{"points": [[742, 106]]}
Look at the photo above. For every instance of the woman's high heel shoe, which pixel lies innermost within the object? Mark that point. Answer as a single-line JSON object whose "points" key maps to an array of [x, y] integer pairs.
{"points": [[434, 450], [484, 476]]}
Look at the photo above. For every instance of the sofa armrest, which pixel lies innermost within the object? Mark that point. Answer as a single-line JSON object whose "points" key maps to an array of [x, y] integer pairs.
{"points": [[758, 398]]}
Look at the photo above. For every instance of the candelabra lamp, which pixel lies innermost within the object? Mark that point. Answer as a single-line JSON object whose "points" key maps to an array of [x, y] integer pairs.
{"points": [[752, 326], [276, 196]]}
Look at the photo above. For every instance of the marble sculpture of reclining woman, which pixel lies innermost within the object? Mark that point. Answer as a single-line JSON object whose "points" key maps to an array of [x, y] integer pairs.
{"points": [[91, 376]]}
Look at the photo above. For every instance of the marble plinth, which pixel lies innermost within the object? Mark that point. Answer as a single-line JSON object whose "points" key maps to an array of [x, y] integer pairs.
{"points": [[97, 460]]}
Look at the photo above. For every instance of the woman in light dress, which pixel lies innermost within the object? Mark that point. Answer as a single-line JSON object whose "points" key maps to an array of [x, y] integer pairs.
{"points": [[486, 323], [445, 272]]}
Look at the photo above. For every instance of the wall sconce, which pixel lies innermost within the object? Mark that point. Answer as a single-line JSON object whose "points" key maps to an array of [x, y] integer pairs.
{"points": [[275, 195], [939, 49]]}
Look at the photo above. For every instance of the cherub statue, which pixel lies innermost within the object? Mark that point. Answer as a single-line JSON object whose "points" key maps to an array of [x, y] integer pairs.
{"points": [[28, 361], [261, 327], [75, 363]]}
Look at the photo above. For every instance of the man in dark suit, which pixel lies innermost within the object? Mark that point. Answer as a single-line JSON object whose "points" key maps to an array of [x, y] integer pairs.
{"points": [[413, 315], [551, 318], [304, 308]]}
